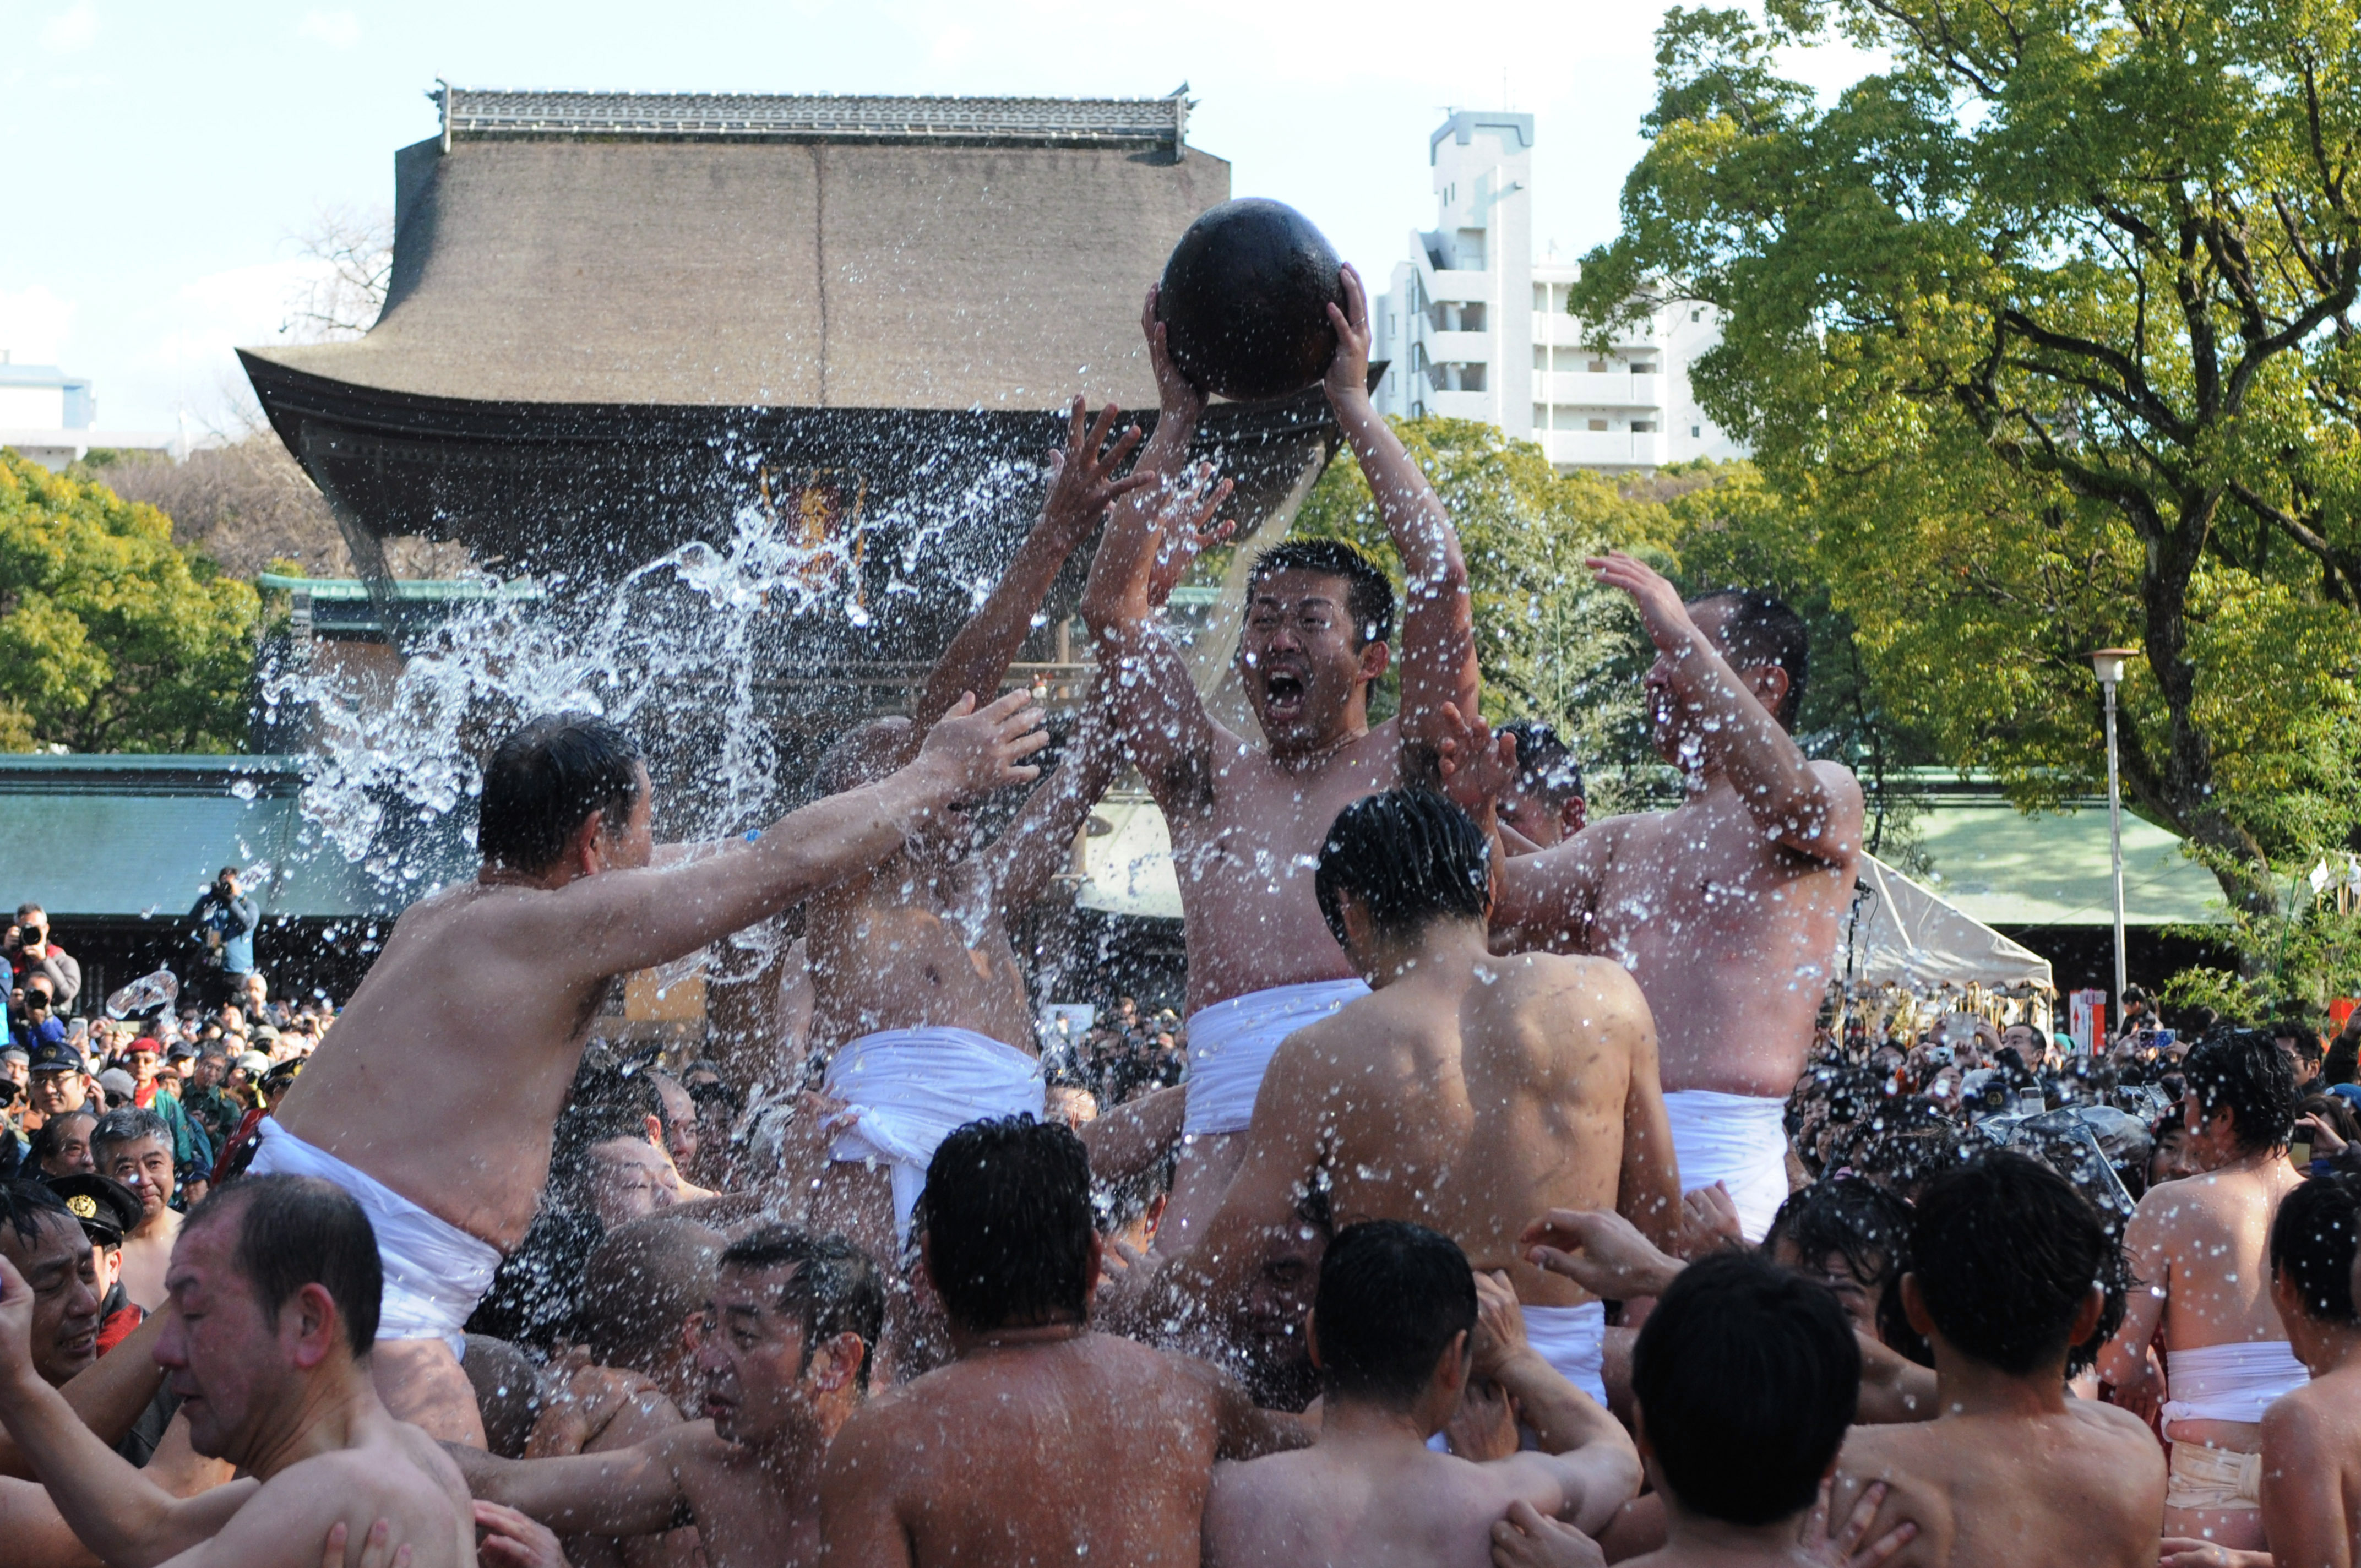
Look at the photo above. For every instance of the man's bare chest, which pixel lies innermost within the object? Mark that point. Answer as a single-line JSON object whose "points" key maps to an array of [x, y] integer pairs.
{"points": [[1265, 827]]}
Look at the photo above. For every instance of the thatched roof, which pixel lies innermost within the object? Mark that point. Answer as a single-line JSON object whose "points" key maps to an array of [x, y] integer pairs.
{"points": [[806, 252]]}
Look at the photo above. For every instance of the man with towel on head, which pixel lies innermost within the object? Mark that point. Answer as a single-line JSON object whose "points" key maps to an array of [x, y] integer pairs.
{"points": [[433, 1099], [2202, 1246], [919, 999], [1467, 1092], [1726, 910], [1247, 820]]}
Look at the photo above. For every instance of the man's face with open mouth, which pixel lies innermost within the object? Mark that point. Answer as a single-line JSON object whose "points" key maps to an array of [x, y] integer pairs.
{"points": [[1297, 655]]}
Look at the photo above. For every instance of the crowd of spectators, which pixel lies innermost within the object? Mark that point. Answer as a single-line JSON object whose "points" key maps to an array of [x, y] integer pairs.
{"points": [[146, 1093]]}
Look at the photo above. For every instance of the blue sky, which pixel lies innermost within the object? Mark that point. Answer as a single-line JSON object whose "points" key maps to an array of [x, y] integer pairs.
{"points": [[163, 159]]}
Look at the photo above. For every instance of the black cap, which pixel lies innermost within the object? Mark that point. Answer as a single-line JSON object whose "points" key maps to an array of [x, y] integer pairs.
{"points": [[56, 1056], [108, 1210]]}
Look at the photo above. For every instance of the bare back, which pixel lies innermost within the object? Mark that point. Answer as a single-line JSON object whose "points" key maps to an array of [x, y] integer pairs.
{"points": [[444, 1076], [1088, 1450], [1470, 1096], [1246, 833], [886, 953], [1730, 934], [2084, 1488], [1308, 1509]]}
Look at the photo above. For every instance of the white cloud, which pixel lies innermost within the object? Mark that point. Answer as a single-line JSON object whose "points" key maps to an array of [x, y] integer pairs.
{"points": [[337, 29], [33, 325], [75, 27]]}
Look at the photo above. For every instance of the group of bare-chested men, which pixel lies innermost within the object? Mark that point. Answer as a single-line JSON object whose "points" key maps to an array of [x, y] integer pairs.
{"points": [[1482, 1064]]}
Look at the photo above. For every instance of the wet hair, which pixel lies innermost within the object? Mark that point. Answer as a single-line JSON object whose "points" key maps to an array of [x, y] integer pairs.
{"points": [[1007, 1212], [1544, 766], [1410, 856], [49, 1139], [1746, 1376], [2314, 1243], [835, 1287], [1368, 597], [1119, 1202], [1393, 1296], [1862, 1224], [2005, 1250], [24, 1205], [543, 783], [294, 1230], [638, 1284], [2244, 1071], [128, 1124], [1761, 629], [1903, 1144]]}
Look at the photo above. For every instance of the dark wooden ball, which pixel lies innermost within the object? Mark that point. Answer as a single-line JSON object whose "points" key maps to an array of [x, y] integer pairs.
{"points": [[1245, 298]]}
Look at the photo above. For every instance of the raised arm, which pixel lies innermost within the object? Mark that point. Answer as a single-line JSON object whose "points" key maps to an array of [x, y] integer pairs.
{"points": [[1585, 1467], [1647, 1187], [123, 1518], [1813, 810], [1014, 872], [629, 1491], [109, 1394], [1438, 630], [1082, 487], [1158, 712], [2124, 1360], [623, 920], [1205, 1281]]}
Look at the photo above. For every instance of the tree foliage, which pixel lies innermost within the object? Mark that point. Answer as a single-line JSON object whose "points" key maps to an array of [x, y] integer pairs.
{"points": [[2046, 332], [111, 639]]}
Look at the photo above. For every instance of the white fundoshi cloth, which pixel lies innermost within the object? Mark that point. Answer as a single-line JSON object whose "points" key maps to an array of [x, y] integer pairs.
{"points": [[1230, 1047], [1738, 1140], [2229, 1382], [1570, 1339], [910, 1088], [434, 1272]]}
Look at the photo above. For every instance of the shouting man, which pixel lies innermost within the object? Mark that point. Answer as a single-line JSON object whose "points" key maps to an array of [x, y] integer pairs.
{"points": [[1246, 819]]}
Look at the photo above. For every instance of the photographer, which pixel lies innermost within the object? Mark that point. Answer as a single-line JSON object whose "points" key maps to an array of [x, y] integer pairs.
{"points": [[30, 953], [221, 925]]}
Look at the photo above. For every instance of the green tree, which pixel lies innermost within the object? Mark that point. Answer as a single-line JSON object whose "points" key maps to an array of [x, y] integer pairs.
{"points": [[2047, 329], [1553, 646], [112, 639]]}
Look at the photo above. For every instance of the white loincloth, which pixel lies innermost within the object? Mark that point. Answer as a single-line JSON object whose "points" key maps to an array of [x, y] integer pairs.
{"points": [[434, 1272], [910, 1088], [1738, 1140], [2229, 1382], [1230, 1046], [1570, 1339], [1573, 1340]]}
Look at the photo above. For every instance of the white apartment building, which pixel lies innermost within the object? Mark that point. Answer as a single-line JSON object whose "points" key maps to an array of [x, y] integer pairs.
{"points": [[1474, 328], [50, 417]]}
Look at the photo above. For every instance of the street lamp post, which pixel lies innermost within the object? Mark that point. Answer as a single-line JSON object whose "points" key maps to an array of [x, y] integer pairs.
{"points": [[2107, 663]]}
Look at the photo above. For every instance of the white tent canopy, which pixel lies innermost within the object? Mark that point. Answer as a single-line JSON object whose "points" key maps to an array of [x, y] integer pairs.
{"points": [[1900, 933]]}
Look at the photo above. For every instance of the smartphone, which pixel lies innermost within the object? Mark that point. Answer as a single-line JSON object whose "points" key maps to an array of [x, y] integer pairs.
{"points": [[2299, 1155]]}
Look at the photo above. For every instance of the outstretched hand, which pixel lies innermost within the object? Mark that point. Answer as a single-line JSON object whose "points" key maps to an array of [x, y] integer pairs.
{"points": [[1710, 1222], [378, 1550], [1348, 371], [1668, 620], [980, 750], [1184, 528], [513, 1541], [1177, 396], [1500, 1334], [15, 1325], [1600, 1251], [1478, 767], [1846, 1550], [1083, 482], [1527, 1538]]}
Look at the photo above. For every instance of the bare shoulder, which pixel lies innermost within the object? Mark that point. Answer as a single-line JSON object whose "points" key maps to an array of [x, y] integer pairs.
{"points": [[2104, 1422], [1838, 780], [1524, 978]]}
